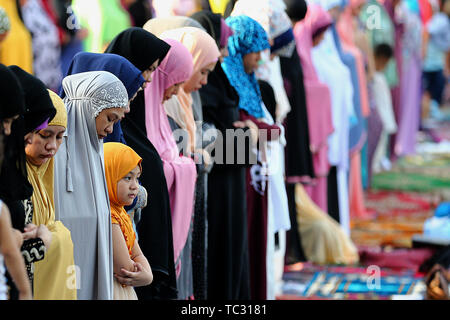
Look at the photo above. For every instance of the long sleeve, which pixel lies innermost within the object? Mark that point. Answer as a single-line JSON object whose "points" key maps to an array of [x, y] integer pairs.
{"points": [[273, 131]]}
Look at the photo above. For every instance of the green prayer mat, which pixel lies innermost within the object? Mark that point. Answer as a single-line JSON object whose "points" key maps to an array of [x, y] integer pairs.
{"points": [[409, 182]]}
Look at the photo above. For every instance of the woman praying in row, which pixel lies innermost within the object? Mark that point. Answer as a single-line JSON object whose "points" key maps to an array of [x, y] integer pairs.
{"points": [[145, 51], [95, 101]]}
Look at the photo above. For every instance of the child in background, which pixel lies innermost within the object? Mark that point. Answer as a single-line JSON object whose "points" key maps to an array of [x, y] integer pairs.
{"points": [[383, 100], [435, 47], [131, 268]]}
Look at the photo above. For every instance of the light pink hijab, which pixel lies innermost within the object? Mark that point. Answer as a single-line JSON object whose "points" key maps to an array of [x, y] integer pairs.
{"points": [[180, 171], [168, 8], [318, 101], [318, 98], [346, 26], [204, 51]]}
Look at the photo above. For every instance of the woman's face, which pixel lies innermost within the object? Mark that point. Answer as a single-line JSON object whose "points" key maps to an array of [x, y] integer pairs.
{"points": [[128, 187], [147, 74], [107, 118], [44, 144], [172, 90], [7, 123], [199, 78], [251, 61]]}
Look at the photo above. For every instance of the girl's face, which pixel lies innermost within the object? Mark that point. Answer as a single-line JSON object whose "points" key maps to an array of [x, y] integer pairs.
{"points": [[128, 187], [147, 74], [7, 123], [172, 90], [107, 118], [199, 78], [44, 144], [251, 61]]}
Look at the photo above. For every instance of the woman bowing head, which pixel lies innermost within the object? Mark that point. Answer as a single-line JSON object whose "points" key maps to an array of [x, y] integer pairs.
{"points": [[95, 101]]}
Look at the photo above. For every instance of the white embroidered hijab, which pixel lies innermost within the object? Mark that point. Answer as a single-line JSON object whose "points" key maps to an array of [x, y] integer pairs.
{"points": [[81, 193]]}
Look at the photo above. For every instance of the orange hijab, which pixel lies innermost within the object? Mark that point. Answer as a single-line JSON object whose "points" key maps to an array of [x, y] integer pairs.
{"points": [[119, 161]]}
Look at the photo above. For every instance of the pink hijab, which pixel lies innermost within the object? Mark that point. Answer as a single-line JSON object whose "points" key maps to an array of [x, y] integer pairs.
{"points": [[318, 99], [346, 29], [180, 171]]}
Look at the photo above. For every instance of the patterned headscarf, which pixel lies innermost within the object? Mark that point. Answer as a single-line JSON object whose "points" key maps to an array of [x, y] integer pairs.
{"points": [[249, 36], [5, 25]]}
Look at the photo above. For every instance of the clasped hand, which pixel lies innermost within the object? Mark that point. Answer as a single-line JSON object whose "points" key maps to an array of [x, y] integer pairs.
{"points": [[136, 278]]}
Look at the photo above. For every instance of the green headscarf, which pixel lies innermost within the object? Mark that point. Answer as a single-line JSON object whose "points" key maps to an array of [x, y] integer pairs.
{"points": [[104, 19]]}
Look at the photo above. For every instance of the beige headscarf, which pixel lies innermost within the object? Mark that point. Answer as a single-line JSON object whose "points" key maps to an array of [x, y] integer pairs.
{"points": [[204, 51]]}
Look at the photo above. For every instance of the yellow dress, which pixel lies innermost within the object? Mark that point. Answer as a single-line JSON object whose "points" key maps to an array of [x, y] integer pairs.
{"points": [[323, 239], [54, 276], [16, 48]]}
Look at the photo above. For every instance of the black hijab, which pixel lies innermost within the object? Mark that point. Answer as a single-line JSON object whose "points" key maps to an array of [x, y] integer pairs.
{"points": [[139, 46], [211, 22], [268, 97], [142, 49], [298, 156], [12, 102], [38, 105], [227, 264], [141, 12], [296, 9], [14, 185]]}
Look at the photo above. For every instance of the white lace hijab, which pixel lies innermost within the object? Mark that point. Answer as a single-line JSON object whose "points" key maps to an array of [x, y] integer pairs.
{"points": [[81, 193]]}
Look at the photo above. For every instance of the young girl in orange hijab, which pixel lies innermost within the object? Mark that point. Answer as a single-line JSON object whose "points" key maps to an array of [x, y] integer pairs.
{"points": [[131, 268]]}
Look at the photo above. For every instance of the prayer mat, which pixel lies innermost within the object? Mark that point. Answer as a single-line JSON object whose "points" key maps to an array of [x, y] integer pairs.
{"points": [[409, 182], [399, 216], [351, 283], [392, 204], [397, 259]]}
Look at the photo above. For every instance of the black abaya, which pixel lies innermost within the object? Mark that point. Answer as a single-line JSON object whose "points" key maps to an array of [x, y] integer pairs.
{"points": [[228, 261], [155, 226], [142, 49], [299, 165]]}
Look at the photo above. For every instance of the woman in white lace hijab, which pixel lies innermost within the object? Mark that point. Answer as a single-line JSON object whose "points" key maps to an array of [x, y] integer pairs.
{"points": [[94, 101]]}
